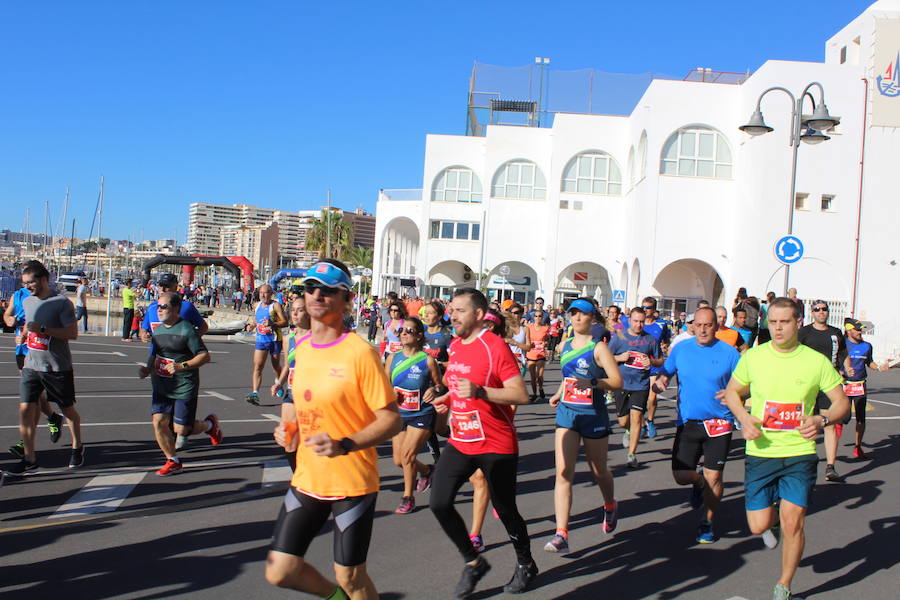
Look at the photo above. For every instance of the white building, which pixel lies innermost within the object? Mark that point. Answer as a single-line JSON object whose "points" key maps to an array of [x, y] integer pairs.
{"points": [[672, 200]]}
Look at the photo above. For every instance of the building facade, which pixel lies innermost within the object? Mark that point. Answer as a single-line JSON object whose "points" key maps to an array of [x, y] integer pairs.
{"points": [[671, 200], [258, 244]]}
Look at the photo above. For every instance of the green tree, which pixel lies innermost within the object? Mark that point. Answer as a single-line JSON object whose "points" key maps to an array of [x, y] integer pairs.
{"points": [[341, 234], [360, 256]]}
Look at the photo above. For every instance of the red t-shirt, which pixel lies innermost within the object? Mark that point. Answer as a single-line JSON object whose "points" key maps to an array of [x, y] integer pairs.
{"points": [[479, 426]]}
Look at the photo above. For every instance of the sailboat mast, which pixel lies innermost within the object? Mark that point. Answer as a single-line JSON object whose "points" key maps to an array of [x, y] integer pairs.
{"points": [[99, 227]]}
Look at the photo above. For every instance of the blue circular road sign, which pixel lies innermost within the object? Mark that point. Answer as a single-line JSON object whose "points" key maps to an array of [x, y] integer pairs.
{"points": [[789, 249]]}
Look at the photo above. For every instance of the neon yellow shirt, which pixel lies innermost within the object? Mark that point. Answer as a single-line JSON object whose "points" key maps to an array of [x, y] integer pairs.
{"points": [[783, 388], [127, 297]]}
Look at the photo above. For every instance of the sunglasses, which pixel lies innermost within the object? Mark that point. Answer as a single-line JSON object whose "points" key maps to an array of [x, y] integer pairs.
{"points": [[647, 307], [516, 312], [821, 309], [310, 288], [163, 306], [394, 310], [409, 330]]}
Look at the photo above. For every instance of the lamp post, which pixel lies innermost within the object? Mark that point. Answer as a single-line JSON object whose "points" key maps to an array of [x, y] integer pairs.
{"points": [[815, 125]]}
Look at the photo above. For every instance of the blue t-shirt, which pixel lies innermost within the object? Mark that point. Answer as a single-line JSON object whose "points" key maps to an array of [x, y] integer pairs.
{"points": [[599, 332], [702, 372], [635, 377], [19, 312], [436, 344], [188, 312], [860, 356], [745, 334]]}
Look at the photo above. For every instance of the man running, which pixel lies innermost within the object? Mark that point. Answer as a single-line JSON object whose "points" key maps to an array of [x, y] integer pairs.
{"points": [[270, 319], [727, 334], [859, 353], [344, 406], [829, 342], [49, 325], [659, 329], [484, 382], [704, 366], [636, 352], [782, 379], [176, 356]]}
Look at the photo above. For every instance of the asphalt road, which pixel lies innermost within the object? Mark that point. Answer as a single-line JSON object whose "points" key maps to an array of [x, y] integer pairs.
{"points": [[114, 530]]}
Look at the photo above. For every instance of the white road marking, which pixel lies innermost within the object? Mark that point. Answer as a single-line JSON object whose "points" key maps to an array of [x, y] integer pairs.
{"points": [[147, 423], [80, 396], [884, 402], [80, 377], [82, 363], [143, 470], [275, 472], [103, 493], [272, 417], [219, 396], [104, 353]]}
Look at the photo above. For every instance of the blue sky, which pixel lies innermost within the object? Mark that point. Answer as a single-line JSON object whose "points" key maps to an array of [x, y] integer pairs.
{"points": [[272, 103]]}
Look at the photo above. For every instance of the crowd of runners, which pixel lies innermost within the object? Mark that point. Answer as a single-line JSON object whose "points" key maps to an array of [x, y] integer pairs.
{"points": [[458, 370]]}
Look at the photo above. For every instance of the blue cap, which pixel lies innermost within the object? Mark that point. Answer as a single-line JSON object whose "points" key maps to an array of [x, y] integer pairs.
{"points": [[328, 275], [582, 305]]}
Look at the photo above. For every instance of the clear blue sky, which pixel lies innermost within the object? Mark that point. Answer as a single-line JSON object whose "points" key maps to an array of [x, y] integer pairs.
{"points": [[272, 103]]}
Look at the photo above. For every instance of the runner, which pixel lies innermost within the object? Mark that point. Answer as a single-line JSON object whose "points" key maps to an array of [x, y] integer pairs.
{"points": [[704, 367], [518, 340], [588, 368], [537, 356], [659, 329], [614, 320], [300, 328], [416, 381], [763, 318], [859, 353], [828, 341], [484, 383], [727, 334], [344, 406], [554, 335], [270, 319], [49, 325], [81, 293], [739, 324], [391, 341], [175, 359], [782, 379], [437, 343], [636, 352]]}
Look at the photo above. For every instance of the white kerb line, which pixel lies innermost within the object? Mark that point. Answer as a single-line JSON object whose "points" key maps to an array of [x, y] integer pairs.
{"points": [[103, 493]]}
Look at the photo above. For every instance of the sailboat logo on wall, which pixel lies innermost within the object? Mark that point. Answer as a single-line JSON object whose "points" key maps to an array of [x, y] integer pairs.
{"points": [[889, 82]]}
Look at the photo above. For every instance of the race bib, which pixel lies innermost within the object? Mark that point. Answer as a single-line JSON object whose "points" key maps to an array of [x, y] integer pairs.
{"points": [[291, 376], [782, 416], [573, 395], [432, 352], [466, 426], [36, 341], [159, 366], [394, 347], [638, 360], [539, 346], [263, 329], [408, 399], [154, 325], [717, 427], [855, 388]]}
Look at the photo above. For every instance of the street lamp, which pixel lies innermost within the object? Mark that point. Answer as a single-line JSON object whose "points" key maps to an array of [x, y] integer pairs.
{"points": [[809, 131]]}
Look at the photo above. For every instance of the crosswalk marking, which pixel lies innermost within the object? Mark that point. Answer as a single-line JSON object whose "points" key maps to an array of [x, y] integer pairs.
{"points": [[103, 493], [147, 423], [275, 472], [272, 417], [218, 395]]}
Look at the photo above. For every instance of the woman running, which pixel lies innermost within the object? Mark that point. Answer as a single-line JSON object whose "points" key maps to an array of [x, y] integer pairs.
{"points": [[300, 326], [588, 369], [417, 382], [396, 314], [517, 336], [554, 335], [537, 356]]}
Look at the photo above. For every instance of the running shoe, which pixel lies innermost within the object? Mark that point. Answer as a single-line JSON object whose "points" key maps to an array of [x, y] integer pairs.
{"points": [[696, 496], [170, 468], [253, 398], [781, 592], [633, 462], [609, 399], [651, 429], [522, 576], [705, 533], [215, 434], [626, 438], [832, 475], [423, 482], [18, 449], [470, 577], [558, 543], [77, 458], [858, 453], [610, 518], [54, 424], [643, 431], [477, 542], [21, 468], [772, 536], [407, 505], [180, 441], [543, 396]]}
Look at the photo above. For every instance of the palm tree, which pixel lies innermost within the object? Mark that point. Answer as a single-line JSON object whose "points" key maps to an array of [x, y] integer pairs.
{"points": [[360, 256], [341, 234]]}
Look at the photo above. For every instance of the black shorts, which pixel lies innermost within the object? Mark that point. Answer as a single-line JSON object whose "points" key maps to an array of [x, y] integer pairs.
{"points": [[859, 409], [628, 400], [20, 361], [59, 385], [421, 421], [302, 518], [692, 442]]}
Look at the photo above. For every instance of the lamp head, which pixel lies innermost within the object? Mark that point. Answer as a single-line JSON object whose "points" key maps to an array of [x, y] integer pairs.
{"points": [[811, 136], [756, 125], [820, 119]]}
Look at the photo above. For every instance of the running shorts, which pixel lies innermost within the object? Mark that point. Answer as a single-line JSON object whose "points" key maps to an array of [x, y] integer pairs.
{"points": [[20, 361], [420, 421], [59, 385], [302, 518], [859, 409], [182, 411], [692, 442], [591, 426], [273, 348], [768, 479], [628, 400]]}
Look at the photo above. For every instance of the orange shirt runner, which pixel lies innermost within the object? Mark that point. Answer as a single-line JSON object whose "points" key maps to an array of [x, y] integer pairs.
{"points": [[539, 334]]}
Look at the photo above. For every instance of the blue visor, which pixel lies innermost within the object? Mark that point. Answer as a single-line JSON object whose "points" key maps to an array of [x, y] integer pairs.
{"points": [[582, 305], [328, 275]]}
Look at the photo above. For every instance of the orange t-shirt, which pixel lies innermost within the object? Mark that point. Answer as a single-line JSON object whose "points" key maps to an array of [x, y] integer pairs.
{"points": [[413, 306], [538, 334], [729, 336], [337, 389]]}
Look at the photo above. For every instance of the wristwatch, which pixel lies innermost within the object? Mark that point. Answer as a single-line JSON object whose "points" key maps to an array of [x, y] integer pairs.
{"points": [[825, 421], [347, 445], [184, 366], [43, 329]]}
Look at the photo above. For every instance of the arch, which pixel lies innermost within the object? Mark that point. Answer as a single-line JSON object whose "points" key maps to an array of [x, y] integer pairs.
{"points": [[634, 284], [623, 278], [398, 255], [513, 279], [697, 151], [683, 283], [519, 178], [592, 172], [584, 278], [446, 276], [641, 158], [456, 184]]}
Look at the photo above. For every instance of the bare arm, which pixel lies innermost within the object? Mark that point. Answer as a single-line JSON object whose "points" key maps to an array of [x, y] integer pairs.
{"points": [[604, 357], [9, 316], [512, 392], [735, 394], [280, 318], [840, 408]]}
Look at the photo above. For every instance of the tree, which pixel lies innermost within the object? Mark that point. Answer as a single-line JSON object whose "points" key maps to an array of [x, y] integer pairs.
{"points": [[341, 234], [360, 256]]}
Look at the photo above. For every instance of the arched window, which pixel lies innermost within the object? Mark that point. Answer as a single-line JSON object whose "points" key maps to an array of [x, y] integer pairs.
{"points": [[696, 152], [519, 179], [593, 172], [456, 184]]}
